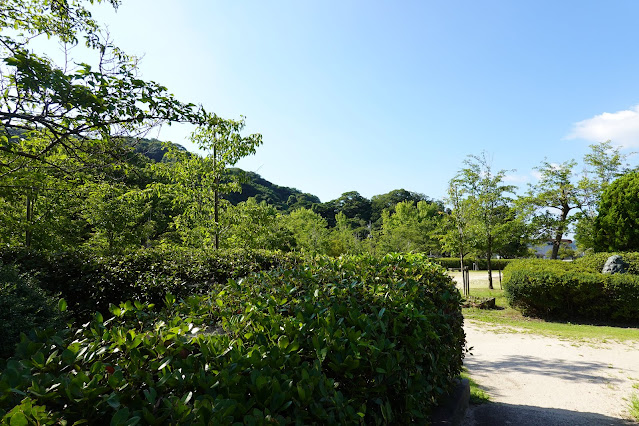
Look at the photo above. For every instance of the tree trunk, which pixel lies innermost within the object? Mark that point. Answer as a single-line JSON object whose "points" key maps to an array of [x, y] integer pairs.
{"points": [[216, 201], [560, 232], [489, 255], [490, 270], [28, 233]]}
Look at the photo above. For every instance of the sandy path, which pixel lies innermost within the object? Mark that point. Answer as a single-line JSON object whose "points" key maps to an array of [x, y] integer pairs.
{"points": [[541, 380]]}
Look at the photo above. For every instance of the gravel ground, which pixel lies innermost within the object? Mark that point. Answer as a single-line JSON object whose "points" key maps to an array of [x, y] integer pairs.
{"points": [[536, 380]]}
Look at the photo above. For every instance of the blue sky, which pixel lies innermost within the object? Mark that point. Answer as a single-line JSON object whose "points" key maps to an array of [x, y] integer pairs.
{"points": [[372, 96]]}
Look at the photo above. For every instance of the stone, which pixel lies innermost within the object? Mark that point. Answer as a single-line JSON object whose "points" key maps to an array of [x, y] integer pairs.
{"points": [[615, 265]]}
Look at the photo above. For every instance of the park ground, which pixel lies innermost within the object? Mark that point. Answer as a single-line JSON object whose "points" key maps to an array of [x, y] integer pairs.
{"points": [[546, 373]]}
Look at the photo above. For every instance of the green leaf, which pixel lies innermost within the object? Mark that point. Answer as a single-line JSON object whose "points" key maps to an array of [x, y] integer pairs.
{"points": [[114, 401], [120, 417], [166, 362], [283, 342], [18, 419]]}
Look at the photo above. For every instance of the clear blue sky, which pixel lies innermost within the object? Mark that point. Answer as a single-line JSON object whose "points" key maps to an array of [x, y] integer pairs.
{"points": [[372, 96]]}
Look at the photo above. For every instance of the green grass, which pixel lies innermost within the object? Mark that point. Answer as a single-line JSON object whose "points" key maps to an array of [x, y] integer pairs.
{"points": [[506, 316], [634, 406], [477, 395]]}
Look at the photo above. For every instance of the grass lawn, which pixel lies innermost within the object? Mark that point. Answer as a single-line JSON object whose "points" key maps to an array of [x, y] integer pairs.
{"points": [[511, 318]]}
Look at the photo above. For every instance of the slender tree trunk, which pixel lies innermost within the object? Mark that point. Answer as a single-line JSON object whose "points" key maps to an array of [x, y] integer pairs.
{"points": [[28, 233], [490, 270], [489, 255], [465, 280], [216, 201]]}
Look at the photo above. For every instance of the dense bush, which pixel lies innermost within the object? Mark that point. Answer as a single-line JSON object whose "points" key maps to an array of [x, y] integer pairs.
{"points": [[594, 262], [23, 306], [618, 209], [564, 290], [453, 262], [89, 283], [346, 341]]}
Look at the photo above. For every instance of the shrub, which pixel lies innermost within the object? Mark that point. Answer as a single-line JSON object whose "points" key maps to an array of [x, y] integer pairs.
{"points": [[562, 290], [594, 262], [345, 341], [23, 306], [89, 283], [453, 262]]}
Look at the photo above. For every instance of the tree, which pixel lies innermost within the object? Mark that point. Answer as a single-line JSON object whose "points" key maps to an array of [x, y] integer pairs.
{"points": [[355, 207], [253, 225], [309, 229], [64, 125], [305, 200], [617, 224], [410, 228], [550, 201], [343, 239], [76, 109], [456, 235], [196, 182], [119, 217], [603, 164], [489, 201], [388, 201], [225, 146]]}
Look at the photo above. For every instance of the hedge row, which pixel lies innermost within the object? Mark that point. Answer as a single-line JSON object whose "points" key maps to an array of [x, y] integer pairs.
{"points": [[453, 262], [346, 341], [563, 290], [23, 306], [594, 262], [90, 284]]}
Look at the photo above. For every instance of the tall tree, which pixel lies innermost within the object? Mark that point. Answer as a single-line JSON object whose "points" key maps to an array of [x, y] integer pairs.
{"points": [[65, 123], [550, 201], [603, 164], [456, 227], [489, 197], [309, 229], [343, 238], [388, 201], [411, 228], [253, 225], [75, 108], [225, 146], [196, 182], [616, 227]]}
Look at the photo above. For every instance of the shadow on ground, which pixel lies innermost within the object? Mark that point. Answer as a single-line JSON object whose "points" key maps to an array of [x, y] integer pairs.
{"points": [[573, 371], [498, 414]]}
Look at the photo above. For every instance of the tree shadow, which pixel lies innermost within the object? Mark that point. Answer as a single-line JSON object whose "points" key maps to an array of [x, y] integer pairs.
{"points": [[581, 321], [574, 371], [498, 414]]}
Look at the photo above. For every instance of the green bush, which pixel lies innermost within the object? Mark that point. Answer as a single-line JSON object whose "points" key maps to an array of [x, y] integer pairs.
{"points": [[338, 341], [556, 289], [594, 262], [453, 262], [23, 306], [89, 283]]}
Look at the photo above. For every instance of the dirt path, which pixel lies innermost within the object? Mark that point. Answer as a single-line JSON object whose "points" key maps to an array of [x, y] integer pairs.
{"points": [[535, 380]]}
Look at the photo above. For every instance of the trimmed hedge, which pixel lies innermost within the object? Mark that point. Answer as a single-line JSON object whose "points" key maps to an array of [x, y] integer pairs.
{"points": [[556, 289], [23, 307], [594, 262], [90, 284], [453, 262], [339, 341]]}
